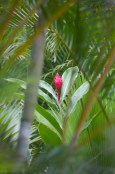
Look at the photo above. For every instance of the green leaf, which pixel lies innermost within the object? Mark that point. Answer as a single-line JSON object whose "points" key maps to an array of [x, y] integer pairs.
{"points": [[68, 77], [42, 95], [52, 122], [46, 98], [80, 92], [73, 121], [35, 140], [49, 136], [48, 87], [41, 119], [21, 83], [88, 123], [10, 115]]}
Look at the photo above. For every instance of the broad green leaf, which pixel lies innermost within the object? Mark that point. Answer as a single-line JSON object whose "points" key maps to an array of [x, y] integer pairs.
{"points": [[40, 118], [72, 122], [49, 136], [68, 77], [46, 97], [48, 87], [57, 116], [80, 92], [49, 117]]}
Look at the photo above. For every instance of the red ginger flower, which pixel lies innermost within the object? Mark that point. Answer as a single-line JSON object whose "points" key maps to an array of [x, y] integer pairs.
{"points": [[58, 84]]}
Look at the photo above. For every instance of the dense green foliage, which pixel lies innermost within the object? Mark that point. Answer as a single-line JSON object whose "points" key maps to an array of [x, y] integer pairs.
{"points": [[77, 135]]}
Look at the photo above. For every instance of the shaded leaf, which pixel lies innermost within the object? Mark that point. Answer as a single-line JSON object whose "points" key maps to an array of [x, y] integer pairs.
{"points": [[49, 136]]}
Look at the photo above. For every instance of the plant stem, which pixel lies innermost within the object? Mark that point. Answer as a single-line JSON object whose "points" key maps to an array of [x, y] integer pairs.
{"points": [[30, 97]]}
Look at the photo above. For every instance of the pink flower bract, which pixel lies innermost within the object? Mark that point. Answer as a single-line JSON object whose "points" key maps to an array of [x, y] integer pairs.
{"points": [[58, 81], [58, 84]]}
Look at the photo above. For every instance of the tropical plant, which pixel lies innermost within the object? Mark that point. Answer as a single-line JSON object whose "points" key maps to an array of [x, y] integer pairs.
{"points": [[75, 136], [53, 116]]}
